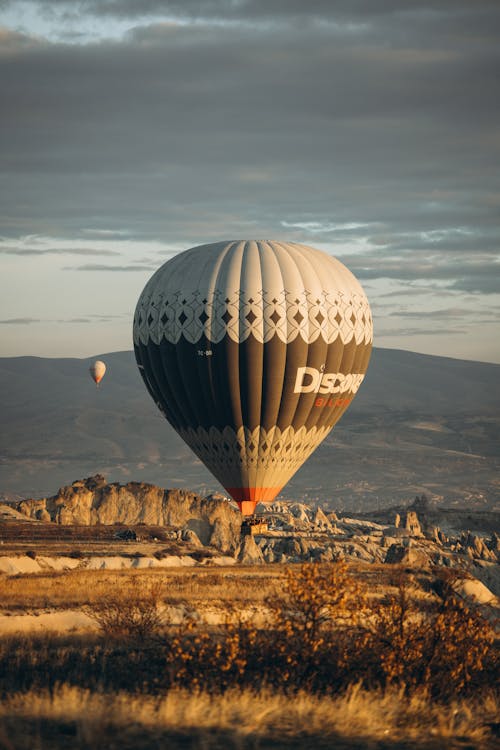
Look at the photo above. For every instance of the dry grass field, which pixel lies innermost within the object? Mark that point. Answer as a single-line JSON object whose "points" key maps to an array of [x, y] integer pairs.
{"points": [[197, 587], [347, 656], [73, 718]]}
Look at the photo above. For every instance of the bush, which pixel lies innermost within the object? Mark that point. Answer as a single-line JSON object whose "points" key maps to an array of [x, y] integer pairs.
{"points": [[458, 643], [314, 621], [324, 636], [132, 613], [442, 650]]}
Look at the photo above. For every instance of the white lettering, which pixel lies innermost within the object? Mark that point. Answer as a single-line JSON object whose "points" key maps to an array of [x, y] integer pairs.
{"points": [[308, 387], [327, 382], [311, 380]]}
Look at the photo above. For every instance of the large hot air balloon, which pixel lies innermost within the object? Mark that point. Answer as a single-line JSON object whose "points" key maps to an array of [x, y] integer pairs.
{"points": [[97, 370], [253, 350]]}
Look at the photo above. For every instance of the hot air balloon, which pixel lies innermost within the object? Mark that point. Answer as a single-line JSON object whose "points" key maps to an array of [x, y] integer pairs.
{"points": [[97, 370], [253, 350]]}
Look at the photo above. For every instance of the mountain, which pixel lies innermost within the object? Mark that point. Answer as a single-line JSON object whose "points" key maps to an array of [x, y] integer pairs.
{"points": [[420, 424]]}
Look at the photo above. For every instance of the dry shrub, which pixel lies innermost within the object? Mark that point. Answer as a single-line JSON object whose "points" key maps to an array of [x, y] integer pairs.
{"points": [[132, 612], [305, 645], [314, 622], [442, 650], [459, 645], [317, 597], [197, 658], [397, 640]]}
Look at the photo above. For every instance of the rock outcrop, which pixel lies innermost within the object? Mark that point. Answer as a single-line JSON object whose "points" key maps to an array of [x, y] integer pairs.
{"points": [[412, 524], [93, 501], [401, 554], [249, 553]]}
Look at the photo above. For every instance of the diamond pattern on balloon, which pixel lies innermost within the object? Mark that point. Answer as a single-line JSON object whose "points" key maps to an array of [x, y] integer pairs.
{"points": [[229, 453], [221, 314]]}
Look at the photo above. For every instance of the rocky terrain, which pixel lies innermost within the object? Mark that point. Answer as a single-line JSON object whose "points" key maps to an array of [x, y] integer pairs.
{"points": [[93, 501], [293, 532]]}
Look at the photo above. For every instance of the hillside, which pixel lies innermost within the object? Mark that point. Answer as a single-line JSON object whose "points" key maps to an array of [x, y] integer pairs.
{"points": [[419, 424]]}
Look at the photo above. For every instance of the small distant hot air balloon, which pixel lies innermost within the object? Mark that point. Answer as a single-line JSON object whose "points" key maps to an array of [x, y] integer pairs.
{"points": [[97, 370], [253, 350]]}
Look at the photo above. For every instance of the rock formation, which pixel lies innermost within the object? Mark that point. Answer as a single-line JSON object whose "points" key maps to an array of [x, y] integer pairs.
{"points": [[406, 554], [249, 553], [412, 524], [295, 531], [93, 501]]}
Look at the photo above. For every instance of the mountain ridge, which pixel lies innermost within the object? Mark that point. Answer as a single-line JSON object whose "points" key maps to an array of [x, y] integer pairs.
{"points": [[420, 423]]}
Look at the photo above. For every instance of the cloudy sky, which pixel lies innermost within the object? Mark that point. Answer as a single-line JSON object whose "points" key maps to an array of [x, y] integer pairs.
{"points": [[133, 129]]}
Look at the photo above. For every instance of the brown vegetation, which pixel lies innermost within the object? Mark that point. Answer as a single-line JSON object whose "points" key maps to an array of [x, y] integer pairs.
{"points": [[328, 647], [323, 632], [196, 587], [133, 613], [69, 717]]}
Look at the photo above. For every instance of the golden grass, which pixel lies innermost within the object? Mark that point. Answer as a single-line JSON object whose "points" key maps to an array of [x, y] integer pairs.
{"points": [[197, 586], [77, 588], [358, 716]]}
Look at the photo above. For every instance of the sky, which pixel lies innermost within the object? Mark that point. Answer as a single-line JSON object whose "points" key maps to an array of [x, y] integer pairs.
{"points": [[131, 130]]}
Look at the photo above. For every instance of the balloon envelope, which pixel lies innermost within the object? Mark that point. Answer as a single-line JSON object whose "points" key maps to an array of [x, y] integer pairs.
{"points": [[253, 350], [97, 370]]}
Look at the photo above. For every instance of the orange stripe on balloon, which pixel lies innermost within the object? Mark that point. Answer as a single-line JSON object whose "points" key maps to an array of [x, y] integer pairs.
{"points": [[248, 497]]}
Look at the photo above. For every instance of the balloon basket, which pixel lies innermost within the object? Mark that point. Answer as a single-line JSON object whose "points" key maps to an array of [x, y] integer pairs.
{"points": [[253, 525]]}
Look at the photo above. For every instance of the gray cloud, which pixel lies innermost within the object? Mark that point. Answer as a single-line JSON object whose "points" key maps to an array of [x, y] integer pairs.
{"points": [[189, 111], [266, 9], [20, 321], [101, 267], [76, 320], [443, 239], [473, 274], [410, 332], [28, 251], [89, 319], [443, 314], [482, 285], [410, 291], [368, 128], [107, 234], [108, 316]]}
